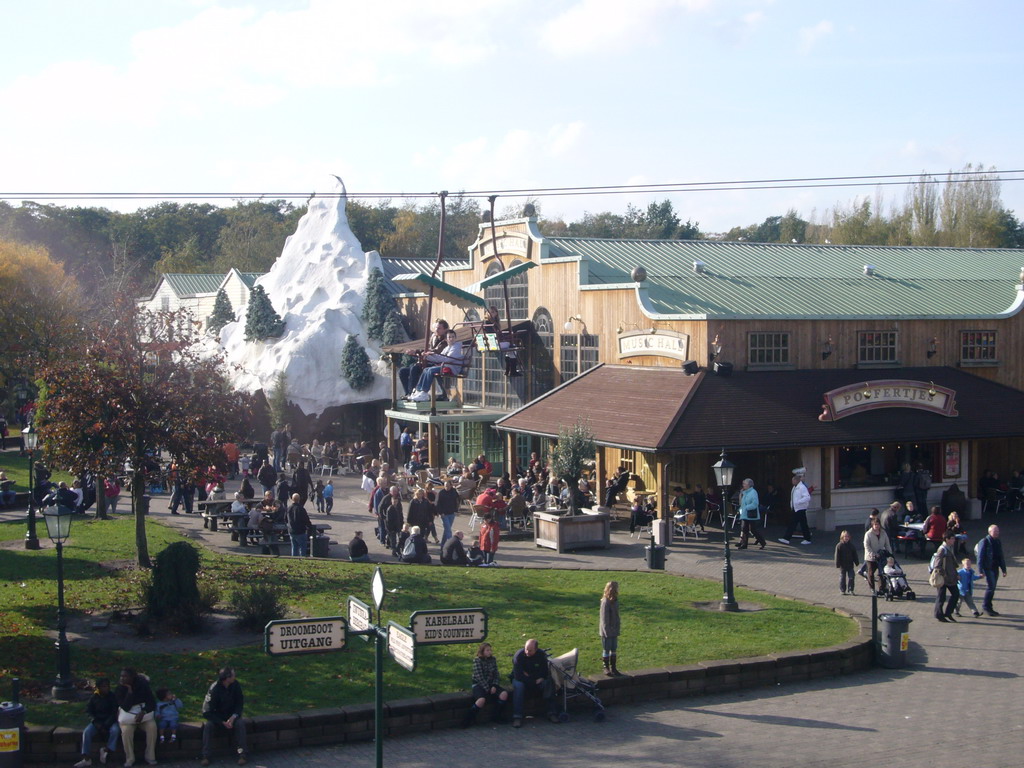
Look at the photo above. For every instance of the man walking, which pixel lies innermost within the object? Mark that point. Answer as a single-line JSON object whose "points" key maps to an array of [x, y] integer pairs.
{"points": [[222, 710], [799, 501], [989, 553]]}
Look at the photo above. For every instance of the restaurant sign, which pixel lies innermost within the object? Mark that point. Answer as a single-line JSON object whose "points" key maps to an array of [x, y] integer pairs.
{"points": [[656, 343], [888, 393]]}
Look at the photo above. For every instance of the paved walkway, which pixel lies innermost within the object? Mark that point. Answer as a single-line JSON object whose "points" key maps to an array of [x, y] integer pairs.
{"points": [[960, 699]]}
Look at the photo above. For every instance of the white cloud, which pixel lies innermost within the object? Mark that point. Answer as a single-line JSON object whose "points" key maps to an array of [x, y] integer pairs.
{"points": [[811, 36], [594, 26], [562, 138]]}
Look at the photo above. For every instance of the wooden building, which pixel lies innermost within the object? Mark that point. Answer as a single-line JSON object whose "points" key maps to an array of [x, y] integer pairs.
{"points": [[800, 320]]}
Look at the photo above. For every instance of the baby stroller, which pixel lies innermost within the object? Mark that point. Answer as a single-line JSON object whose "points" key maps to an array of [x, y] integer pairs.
{"points": [[893, 586], [565, 678]]}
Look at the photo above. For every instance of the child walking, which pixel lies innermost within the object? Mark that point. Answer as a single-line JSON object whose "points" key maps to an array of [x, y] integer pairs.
{"points": [[167, 708], [846, 561], [966, 576]]}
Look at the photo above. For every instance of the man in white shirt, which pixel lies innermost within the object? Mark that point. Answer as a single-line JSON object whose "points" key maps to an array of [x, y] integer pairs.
{"points": [[799, 501], [450, 358]]}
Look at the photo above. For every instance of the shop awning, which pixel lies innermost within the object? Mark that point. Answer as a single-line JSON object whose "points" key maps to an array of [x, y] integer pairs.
{"points": [[422, 283], [500, 277], [663, 409]]}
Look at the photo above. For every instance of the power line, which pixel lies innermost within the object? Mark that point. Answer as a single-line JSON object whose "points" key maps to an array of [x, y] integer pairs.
{"points": [[813, 182]]}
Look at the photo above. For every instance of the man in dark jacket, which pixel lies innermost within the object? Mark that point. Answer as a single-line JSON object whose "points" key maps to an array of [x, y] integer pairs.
{"points": [[990, 563], [393, 518], [302, 481], [357, 549], [299, 527], [530, 676], [222, 709], [267, 477], [102, 709]]}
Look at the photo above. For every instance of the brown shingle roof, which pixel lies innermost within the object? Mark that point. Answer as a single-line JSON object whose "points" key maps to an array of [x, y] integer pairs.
{"points": [[664, 409], [623, 405]]}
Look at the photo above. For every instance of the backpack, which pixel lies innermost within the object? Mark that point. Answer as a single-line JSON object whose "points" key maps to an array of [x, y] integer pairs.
{"points": [[923, 481], [410, 549], [978, 550]]}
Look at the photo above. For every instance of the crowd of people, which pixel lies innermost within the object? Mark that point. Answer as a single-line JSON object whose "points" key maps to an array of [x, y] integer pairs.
{"points": [[115, 715]]}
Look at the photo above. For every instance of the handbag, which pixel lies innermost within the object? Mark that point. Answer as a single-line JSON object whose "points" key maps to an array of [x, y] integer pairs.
{"points": [[128, 718], [937, 578]]}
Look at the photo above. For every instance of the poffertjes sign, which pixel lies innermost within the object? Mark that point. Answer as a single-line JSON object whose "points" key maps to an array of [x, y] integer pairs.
{"points": [[889, 393]]}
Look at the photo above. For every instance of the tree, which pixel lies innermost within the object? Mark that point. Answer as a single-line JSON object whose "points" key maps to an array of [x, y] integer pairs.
{"points": [[222, 313], [277, 400], [185, 259], [355, 364], [254, 235], [378, 305], [146, 384], [261, 320], [40, 308], [575, 446]]}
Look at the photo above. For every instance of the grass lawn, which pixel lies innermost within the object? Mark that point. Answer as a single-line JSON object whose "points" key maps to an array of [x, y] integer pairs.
{"points": [[16, 468], [660, 624]]}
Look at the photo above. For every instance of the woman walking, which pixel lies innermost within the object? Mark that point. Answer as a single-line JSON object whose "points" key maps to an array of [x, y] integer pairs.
{"points": [[945, 579], [750, 515], [609, 627]]}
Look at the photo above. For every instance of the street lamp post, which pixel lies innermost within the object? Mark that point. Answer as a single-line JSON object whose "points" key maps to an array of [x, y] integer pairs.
{"points": [[58, 526], [30, 440], [723, 470]]}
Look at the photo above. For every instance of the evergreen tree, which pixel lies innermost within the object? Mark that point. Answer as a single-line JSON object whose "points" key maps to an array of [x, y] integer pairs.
{"points": [[222, 313], [355, 365], [574, 447], [277, 400], [378, 305], [261, 321]]}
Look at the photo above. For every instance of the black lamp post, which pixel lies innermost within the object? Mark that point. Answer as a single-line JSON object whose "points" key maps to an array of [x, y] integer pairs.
{"points": [[58, 526], [723, 470], [30, 440]]}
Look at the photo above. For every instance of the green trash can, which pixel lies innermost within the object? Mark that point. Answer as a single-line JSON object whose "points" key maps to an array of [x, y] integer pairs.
{"points": [[12, 734], [320, 546], [895, 633], [655, 554]]}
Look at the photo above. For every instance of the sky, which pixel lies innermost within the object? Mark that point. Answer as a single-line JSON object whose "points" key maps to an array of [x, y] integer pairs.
{"points": [[401, 96]]}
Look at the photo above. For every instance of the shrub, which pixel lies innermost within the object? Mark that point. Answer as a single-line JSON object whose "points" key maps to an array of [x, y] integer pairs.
{"points": [[174, 592], [256, 604]]}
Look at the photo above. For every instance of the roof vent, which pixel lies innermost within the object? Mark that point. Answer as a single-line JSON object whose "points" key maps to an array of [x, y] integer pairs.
{"points": [[639, 274], [869, 270], [698, 267]]}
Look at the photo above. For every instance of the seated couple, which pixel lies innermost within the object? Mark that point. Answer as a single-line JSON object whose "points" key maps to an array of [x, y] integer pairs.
{"points": [[448, 361]]}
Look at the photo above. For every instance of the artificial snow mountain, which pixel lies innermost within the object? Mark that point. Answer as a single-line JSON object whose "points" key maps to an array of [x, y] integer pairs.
{"points": [[317, 286]]}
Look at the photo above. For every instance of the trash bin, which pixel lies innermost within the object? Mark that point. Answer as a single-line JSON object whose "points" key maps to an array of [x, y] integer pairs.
{"points": [[895, 639], [12, 735], [662, 532], [655, 557], [320, 544]]}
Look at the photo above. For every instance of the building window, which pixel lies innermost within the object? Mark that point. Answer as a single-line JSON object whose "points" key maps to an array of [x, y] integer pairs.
{"points": [[578, 353], [879, 465], [977, 346], [543, 356], [165, 303], [768, 348], [452, 441], [876, 347], [518, 294]]}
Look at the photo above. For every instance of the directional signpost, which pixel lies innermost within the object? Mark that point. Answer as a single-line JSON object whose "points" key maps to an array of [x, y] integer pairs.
{"points": [[331, 633], [458, 625]]}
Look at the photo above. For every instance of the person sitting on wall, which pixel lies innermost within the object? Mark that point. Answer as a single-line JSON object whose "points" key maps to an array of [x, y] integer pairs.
{"points": [[358, 552], [448, 362], [531, 677]]}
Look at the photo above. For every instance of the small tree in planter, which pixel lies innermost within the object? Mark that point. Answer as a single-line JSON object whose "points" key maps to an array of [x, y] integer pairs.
{"points": [[575, 447], [355, 365], [261, 320], [222, 313]]}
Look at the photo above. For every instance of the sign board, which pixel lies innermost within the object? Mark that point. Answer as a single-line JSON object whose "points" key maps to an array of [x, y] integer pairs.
{"points": [[377, 587], [402, 645], [458, 625], [358, 617], [305, 635], [658, 344], [10, 740], [889, 393]]}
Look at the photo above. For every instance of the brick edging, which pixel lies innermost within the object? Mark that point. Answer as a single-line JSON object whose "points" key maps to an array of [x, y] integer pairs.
{"points": [[336, 725]]}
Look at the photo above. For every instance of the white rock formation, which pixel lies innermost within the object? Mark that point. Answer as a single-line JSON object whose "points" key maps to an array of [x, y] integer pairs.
{"points": [[317, 285]]}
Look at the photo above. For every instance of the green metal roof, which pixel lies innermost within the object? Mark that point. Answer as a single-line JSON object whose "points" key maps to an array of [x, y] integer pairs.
{"points": [[249, 278], [422, 283], [392, 267], [768, 280], [499, 277], [190, 285]]}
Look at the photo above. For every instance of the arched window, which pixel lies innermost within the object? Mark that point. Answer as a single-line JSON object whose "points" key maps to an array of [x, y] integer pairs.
{"points": [[518, 293], [544, 376]]}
